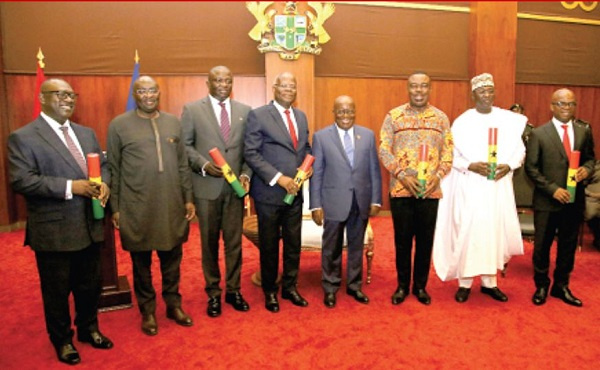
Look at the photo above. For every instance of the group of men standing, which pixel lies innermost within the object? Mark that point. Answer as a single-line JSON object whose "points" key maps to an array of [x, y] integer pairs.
{"points": [[443, 192]]}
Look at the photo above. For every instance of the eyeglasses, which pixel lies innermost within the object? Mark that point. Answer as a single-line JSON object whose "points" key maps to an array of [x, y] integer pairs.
{"points": [[151, 91], [62, 95], [562, 104], [284, 87], [219, 81], [341, 112]]}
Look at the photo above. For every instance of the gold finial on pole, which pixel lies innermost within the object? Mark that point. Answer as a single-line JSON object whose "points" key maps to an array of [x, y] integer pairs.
{"points": [[40, 57], [137, 57]]}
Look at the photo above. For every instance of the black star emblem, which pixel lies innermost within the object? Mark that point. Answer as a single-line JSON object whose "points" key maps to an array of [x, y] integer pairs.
{"points": [[494, 154], [229, 172], [573, 178]]}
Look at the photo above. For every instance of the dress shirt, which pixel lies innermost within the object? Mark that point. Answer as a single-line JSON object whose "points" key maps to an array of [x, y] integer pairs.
{"points": [[558, 125]]}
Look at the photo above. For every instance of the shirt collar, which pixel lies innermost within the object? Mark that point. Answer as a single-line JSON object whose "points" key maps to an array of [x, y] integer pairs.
{"points": [[216, 102], [53, 123]]}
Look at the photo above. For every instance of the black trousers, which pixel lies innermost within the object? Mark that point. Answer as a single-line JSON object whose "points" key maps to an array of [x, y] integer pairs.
{"points": [[224, 213], [564, 224], [331, 253], [170, 262], [62, 273], [275, 222], [413, 218]]}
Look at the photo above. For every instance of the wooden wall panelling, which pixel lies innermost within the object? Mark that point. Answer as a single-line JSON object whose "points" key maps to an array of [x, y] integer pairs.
{"points": [[6, 199]]}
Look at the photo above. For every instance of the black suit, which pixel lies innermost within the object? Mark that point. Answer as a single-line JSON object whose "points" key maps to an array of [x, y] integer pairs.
{"points": [[63, 233], [268, 149], [547, 165]]}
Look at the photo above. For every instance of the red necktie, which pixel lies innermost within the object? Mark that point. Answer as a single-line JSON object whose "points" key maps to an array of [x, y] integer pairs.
{"points": [[74, 150], [225, 127], [566, 141], [291, 128]]}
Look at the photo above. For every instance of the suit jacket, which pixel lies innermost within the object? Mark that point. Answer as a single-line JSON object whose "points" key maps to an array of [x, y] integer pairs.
{"points": [[201, 132], [334, 180], [547, 164], [40, 165], [268, 149]]}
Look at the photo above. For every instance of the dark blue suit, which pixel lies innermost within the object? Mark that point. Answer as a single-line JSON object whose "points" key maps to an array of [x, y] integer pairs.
{"points": [[63, 233], [268, 149], [345, 193]]}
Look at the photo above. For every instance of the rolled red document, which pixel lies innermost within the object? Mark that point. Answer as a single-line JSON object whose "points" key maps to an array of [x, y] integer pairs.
{"points": [[94, 175], [573, 166], [300, 176], [231, 178]]}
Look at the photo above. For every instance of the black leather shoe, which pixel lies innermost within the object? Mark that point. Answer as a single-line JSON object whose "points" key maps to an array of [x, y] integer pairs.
{"points": [[358, 295], [565, 294], [271, 302], [422, 296], [68, 354], [329, 300], [237, 301], [180, 317], [149, 326], [96, 339], [214, 306], [462, 294], [494, 293], [294, 297], [539, 297], [399, 295]]}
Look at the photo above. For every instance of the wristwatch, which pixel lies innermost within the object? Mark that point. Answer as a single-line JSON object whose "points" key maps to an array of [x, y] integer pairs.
{"points": [[401, 175]]}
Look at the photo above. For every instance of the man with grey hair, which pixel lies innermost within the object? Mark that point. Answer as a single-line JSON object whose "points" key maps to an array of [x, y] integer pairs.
{"points": [[478, 227]]}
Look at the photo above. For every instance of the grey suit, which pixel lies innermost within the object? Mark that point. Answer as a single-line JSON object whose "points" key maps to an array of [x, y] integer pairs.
{"points": [[547, 164], [268, 149], [345, 193], [217, 206], [63, 233]]}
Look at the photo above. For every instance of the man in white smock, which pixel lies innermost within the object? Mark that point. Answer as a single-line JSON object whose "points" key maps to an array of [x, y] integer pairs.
{"points": [[478, 227]]}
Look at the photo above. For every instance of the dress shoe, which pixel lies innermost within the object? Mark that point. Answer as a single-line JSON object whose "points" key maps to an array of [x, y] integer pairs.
{"points": [[422, 296], [237, 301], [294, 297], [96, 339], [329, 300], [180, 317], [358, 295], [214, 306], [494, 293], [539, 297], [399, 295], [462, 294], [271, 302], [565, 294], [149, 326], [68, 354]]}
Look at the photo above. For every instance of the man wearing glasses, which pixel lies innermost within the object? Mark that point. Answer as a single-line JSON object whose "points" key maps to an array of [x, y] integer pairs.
{"points": [[549, 151], [275, 145], [48, 167], [152, 200]]}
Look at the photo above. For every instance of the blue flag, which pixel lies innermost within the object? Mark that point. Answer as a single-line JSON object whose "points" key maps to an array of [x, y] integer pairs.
{"points": [[136, 74]]}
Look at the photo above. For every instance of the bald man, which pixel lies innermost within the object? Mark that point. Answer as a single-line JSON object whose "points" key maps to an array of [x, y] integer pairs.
{"points": [[48, 167], [152, 201], [275, 145], [547, 164]]}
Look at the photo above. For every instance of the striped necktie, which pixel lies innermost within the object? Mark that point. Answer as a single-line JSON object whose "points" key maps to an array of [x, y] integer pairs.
{"points": [[74, 150]]}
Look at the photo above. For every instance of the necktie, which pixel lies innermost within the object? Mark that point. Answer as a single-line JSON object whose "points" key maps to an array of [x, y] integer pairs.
{"points": [[291, 128], [74, 151], [349, 148], [566, 141], [225, 127]]}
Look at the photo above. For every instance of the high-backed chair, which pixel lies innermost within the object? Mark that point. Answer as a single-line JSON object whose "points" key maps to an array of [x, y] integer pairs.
{"points": [[523, 188]]}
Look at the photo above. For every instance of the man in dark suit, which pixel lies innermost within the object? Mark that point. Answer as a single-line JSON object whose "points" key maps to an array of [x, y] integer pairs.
{"points": [[48, 166], [547, 164], [276, 143], [345, 190], [206, 124]]}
